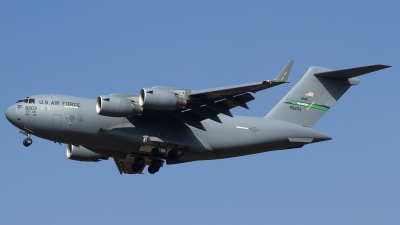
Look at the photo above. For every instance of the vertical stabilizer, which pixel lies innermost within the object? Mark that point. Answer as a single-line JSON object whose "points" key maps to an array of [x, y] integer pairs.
{"points": [[315, 93]]}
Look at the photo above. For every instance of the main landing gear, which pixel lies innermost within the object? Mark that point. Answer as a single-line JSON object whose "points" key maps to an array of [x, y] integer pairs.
{"points": [[154, 166], [157, 152], [175, 153], [138, 164]]}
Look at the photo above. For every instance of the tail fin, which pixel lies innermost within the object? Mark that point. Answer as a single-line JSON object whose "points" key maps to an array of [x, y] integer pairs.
{"points": [[315, 93]]}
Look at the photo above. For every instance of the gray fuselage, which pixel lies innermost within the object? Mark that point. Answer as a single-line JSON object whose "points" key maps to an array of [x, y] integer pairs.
{"points": [[73, 120]]}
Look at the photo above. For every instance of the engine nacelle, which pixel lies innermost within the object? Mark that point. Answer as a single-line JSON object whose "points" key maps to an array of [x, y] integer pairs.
{"points": [[83, 154], [160, 99], [117, 107]]}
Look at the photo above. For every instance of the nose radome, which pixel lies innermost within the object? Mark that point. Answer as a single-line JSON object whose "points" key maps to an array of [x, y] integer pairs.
{"points": [[10, 113]]}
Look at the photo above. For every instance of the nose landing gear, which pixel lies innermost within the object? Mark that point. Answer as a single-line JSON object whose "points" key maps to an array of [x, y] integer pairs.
{"points": [[27, 142]]}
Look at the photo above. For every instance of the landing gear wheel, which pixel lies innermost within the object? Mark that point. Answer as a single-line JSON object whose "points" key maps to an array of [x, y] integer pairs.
{"points": [[158, 151], [161, 150], [139, 161], [156, 163], [178, 153], [138, 164], [27, 142], [136, 167], [153, 169], [154, 166], [154, 152], [175, 153]]}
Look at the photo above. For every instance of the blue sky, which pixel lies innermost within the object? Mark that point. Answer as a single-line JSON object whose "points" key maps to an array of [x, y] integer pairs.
{"points": [[92, 48]]}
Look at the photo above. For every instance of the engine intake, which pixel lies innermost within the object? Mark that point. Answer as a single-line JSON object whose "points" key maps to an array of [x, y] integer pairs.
{"points": [[117, 107], [83, 154], [159, 99]]}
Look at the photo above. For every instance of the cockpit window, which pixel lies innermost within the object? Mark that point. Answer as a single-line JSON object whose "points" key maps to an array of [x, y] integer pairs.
{"points": [[28, 100], [19, 101]]}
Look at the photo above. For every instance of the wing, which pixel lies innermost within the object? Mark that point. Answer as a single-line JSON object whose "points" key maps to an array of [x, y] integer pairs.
{"points": [[208, 103], [189, 106]]}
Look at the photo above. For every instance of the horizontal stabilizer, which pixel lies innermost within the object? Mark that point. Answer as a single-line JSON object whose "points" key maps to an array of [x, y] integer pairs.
{"points": [[349, 73]]}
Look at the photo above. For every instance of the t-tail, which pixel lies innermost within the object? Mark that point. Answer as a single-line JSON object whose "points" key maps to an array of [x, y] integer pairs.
{"points": [[316, 92]]}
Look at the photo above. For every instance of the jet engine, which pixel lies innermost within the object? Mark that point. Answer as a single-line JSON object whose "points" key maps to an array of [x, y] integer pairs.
{"points": [[160, 99], [83, 154], [117, 107]]}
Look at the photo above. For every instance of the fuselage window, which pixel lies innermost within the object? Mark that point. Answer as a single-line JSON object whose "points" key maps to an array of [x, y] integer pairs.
{"points": [[26, 100], [32, 101]]}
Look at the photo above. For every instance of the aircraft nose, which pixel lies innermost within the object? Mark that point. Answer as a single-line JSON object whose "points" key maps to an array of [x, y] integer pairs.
{"points": [[10, 113]]}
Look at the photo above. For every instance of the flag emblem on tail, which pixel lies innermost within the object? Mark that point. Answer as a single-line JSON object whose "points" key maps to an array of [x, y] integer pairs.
{"points": [[309, 94]]}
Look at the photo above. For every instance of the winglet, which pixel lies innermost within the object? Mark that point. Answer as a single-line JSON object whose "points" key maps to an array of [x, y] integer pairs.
{"points": [[284, 74]]}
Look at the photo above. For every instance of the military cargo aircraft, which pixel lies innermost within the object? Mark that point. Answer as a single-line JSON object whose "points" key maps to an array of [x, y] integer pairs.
{"points": [[177, 125]]}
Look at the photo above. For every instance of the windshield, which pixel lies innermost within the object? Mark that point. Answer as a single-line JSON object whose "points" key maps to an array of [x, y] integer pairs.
{"points": [[27, 100]]}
